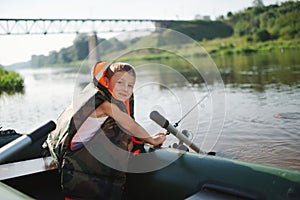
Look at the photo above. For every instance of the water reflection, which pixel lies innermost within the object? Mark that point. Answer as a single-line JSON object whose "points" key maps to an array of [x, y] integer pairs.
{"points": [[260, 71], [257, 72], [11, 93]]}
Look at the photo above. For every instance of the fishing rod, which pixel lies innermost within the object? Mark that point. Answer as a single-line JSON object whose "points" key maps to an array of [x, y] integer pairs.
{"points": [[186, 114], [182, 136], [164, 123]]}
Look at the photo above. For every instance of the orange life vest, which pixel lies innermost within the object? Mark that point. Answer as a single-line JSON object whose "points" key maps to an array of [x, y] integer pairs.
{"points": [[99, 73]]}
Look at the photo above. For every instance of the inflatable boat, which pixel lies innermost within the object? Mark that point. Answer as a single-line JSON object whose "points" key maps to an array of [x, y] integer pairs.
{"points": [[190, 176]]}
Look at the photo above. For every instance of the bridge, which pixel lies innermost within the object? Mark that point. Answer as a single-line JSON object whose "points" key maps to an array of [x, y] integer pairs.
{"points": [[16, 26], [60, 26]]}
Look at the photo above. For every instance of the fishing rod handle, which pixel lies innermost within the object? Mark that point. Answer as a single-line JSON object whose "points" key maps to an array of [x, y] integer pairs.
{"points": [[159, 119], [164, 123]]}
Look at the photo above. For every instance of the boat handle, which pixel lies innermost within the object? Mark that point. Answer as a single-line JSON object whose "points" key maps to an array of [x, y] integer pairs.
{"points": [[25, 140]]}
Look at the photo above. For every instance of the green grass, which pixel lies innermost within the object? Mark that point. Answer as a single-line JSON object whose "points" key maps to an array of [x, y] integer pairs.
{"points": [[239, 45]]}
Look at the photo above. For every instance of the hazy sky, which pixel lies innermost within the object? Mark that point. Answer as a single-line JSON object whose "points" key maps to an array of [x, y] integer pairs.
{"points": [[20, 48]]}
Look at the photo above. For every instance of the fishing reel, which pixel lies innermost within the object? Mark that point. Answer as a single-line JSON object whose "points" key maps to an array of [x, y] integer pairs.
{"points": [[182, 136], [180, 145]]}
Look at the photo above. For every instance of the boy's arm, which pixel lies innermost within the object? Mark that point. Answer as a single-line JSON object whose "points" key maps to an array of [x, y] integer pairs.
{"points": [[129, 124]]}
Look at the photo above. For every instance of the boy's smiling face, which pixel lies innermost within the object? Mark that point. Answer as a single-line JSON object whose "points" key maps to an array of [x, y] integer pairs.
{"points": [[122, 84]]}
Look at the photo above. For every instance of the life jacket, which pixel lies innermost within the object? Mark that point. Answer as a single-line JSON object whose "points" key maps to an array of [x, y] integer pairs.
{"points": [[99, 74], [93, 95]]}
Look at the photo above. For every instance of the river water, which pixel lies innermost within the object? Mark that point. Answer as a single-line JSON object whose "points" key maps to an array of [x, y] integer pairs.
{"points": [[260, 123]]}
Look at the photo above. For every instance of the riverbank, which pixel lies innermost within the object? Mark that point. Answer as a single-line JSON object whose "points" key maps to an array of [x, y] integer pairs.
{"points": [[215, 48], [241, 45]]}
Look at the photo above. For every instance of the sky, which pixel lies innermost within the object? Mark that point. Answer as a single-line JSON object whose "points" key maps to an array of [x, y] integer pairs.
{"points": [[19, 48]]}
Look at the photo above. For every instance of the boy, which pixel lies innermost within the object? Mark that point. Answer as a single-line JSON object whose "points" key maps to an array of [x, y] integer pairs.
{"points": [[83, 174]]}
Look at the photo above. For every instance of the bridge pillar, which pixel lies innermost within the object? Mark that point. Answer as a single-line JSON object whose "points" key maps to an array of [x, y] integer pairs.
{"points": [[93, 49], [160, 26]]}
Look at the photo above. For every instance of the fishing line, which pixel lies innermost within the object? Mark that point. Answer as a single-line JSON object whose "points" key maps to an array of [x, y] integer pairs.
{"points": [[186, 114]]}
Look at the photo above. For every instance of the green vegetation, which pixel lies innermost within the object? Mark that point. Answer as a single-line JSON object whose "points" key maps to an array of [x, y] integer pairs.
{"points": [[10, 81], [240, 45], [267, 23], [260, 28], [201, 30], [78, 51]]}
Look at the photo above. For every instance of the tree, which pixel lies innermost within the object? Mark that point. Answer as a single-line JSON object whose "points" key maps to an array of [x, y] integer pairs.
{"points": [[262, 35], [81, 46], [229, 14], [37, 60], [52, 58], [258, 3], [66, 55]]}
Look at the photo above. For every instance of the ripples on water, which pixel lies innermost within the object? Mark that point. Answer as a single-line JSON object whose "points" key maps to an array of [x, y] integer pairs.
{"points": [[263, 128], [259, 126]]}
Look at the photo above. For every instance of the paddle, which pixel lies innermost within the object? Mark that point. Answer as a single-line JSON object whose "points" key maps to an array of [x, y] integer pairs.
{"points": [[25, 140]]}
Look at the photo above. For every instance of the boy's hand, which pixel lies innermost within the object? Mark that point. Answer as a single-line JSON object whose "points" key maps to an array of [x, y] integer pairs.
{"points": [[158, 139]]}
